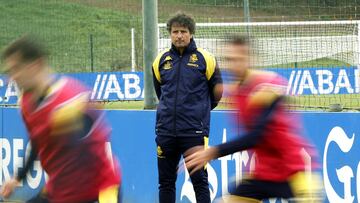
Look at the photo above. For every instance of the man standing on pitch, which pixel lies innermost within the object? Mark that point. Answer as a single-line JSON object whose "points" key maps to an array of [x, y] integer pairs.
{"points": [[188, 85]]}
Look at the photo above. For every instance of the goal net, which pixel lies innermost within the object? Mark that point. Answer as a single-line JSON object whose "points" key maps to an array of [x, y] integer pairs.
{"points": [[319, 58]]}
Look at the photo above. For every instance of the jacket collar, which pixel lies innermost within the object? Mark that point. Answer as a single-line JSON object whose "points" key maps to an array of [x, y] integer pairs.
{"points": [[189, 49]]}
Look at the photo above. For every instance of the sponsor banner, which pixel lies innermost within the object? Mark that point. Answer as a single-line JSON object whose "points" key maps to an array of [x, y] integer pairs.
{"points": [[105, 86], [317, 80], [130, 85], [320, 81], [9, 91], [133, 142]]}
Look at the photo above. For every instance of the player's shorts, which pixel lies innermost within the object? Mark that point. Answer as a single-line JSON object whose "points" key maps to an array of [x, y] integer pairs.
{"points": [[108, 195], [258, 190], [299, 188]]}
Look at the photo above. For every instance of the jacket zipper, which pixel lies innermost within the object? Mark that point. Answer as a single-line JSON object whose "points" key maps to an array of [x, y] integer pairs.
{"points": [[176, 91]]}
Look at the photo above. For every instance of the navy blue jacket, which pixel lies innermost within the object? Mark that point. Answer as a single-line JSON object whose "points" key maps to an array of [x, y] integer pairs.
{"points": [[184, 85]]}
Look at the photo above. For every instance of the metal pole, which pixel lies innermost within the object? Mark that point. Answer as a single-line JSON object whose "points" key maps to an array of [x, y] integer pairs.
{"points": [[247, 16], [2, 106], [358, 51], [91, 53], [2, 119], [133, 64], [150, 49], [246, 11], [358, 43]]}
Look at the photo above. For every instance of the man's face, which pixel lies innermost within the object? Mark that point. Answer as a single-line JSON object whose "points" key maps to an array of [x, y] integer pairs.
{"points": [[180, 36], [238, 59], [23, 73]]}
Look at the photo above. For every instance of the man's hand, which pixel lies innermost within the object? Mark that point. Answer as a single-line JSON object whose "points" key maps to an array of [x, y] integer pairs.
{"points": [[8, 187], [197, 160], [218, 91]]}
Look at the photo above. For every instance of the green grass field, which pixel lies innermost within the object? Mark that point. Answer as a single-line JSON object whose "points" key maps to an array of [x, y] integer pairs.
{"points": [[125, 105], [66, 29], [349, 102], [307, 103], [139, 105]]}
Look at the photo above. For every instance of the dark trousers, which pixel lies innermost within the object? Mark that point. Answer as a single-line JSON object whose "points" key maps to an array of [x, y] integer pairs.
{"points": [[169, 151]]}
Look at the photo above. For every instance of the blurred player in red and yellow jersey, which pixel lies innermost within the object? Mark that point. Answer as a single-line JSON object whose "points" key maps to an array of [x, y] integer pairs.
{"points": [[67, 133], [280, 169]]}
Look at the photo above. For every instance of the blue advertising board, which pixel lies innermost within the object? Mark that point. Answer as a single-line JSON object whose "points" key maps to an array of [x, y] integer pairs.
{"points": [[133, 141], [130, 85], [104, 86], [317, 80], [320, 81]]}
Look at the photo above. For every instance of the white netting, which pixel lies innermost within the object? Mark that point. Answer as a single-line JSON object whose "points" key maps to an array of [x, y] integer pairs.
{"points": [[282, 43]]}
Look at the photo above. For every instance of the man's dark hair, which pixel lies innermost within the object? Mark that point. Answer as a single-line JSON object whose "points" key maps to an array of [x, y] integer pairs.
{"points": [[239, 40], [183, 20], [28, 48]]}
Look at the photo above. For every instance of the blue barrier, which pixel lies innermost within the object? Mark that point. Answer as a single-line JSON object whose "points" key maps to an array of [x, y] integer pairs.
{"points": [[320, 80], [130, 86], [132, 141], [104, 86]]}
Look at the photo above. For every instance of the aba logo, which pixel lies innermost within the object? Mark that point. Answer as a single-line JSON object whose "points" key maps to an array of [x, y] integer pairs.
{"points": [[9, 91], [339, 189], [323, 81]]}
